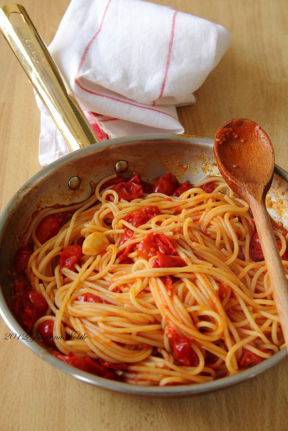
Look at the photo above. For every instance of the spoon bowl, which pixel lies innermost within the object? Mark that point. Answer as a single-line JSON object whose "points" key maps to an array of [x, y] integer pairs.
{"points": [[245, 157]]}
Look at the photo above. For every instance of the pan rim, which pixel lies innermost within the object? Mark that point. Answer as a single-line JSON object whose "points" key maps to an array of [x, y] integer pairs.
{"points": [[155, 391]]}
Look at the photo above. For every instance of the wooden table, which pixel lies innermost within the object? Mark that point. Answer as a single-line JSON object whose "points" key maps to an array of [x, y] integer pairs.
{"points": [[251, 81]]}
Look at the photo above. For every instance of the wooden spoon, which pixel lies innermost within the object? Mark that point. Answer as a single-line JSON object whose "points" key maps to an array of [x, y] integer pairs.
{"points": [[245, 158]]}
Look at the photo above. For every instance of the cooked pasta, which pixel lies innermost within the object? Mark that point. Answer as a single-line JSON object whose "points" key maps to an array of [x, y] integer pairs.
{"points": [[160, 287]]}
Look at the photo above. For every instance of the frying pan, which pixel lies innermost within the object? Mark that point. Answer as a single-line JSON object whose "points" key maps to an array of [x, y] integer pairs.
{"points": [[68, 180]]}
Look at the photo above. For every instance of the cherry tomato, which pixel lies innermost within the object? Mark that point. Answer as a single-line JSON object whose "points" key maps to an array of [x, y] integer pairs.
{"points": [[182, 349], [248, 359], [209, 187], [167, 184], [19, 286], [224, 291], [28, 304], [48, 227], [255, 250], [45, 330], [136, 218], [129, 190], [87, 364], [153, 243], [123, 256], [182, 188], [38, 301], [167, 261], [111, 182], [128, 233], [139, 217], [70, 256], [21, 259]]}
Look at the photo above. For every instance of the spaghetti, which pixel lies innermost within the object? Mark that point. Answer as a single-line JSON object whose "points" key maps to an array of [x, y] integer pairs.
{"points": [[158, 286]]}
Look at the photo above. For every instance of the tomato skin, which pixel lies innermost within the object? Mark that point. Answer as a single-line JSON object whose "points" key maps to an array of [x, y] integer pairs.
{"points": [[209, 187], [255, 249], [153, 243], [38, 301], [28, 304], [129, 190], [249, 359], [21, 259], [182, 188], [128, 233], [168, 282], [139, 217], [45, 330], [89, 297], [123, 256], [136, 218], [111, 182], [70, 255], [182, 349], [167, 261], [49, 226], [87, 364], [224, 291], [167, 184]]}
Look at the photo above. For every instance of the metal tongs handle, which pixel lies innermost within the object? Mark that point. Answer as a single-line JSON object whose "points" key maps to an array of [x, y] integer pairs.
{"points": [[45, 77]]}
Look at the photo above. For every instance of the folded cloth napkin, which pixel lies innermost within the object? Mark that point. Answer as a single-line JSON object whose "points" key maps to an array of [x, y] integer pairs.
{"points": [[129, 63]]}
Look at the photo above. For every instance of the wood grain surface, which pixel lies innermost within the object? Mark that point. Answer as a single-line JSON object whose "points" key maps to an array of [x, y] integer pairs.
{"points": [[251, 81]]}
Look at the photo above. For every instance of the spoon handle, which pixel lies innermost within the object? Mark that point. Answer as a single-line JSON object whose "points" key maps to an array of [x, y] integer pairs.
{"points": [[273, 262]]}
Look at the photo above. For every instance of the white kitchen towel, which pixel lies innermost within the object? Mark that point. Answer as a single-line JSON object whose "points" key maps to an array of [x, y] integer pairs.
{"points": [[129, 63]]}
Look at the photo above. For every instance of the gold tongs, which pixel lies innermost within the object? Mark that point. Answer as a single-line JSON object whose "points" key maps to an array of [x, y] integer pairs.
{"points": [[45, 77]]}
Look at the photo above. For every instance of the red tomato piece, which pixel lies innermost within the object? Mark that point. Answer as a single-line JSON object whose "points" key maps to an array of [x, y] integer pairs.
{"points": [[28, 304], [38, 301], [255, 249], [129, 190], [139, 217], [167, 261], [167, 184], [21, 259], [153, 243], [182, 188], [70, 256], [27, 315], [111, 182], [49, 226], [224, 291], [113, 365], [86, 364], [182, 349], [123, 256], [136, 218], [19, 286], [45, 330], [249, 359], [89, 297], [128, 233], [209, 187], [168, 282]]}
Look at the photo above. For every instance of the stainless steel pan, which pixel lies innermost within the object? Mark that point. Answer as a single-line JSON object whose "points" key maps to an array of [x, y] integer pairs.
{"points": [[151, 155]]}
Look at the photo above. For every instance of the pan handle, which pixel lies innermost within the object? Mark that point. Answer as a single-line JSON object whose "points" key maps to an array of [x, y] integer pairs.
{"points": [[45, 77]]}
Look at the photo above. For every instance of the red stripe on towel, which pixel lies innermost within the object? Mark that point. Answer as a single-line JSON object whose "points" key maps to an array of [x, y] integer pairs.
{"points": [[123, 101], [169, 54], [93, 38]]}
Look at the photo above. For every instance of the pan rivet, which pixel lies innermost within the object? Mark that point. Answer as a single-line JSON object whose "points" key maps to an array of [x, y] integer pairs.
{"points": [[74, 182], [121, 166]]}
